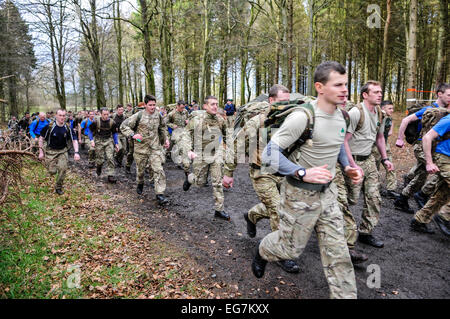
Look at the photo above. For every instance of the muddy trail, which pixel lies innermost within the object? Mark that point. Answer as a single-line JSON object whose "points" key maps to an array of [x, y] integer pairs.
{"points": [[412, 265]]}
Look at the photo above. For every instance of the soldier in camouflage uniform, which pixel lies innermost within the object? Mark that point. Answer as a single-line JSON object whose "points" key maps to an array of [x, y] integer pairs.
{"points": [[308, 195], [104, 138], [391, 180], [57, 135], [130, 158], [437, 163], [416, 179], [359, 142], [149, 132], [266, 186], [177, 120], [85, 124], [208, 133], [118, 118]]}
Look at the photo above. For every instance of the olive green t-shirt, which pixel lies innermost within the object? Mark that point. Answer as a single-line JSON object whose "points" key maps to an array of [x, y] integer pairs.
{"points": [[328, 136], [362, 140]]}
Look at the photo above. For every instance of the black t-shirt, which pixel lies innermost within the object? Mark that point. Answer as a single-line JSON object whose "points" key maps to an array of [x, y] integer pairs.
{"points": [[118, 120], [58, 136]]}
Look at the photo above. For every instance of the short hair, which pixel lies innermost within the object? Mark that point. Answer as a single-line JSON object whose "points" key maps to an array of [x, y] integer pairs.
{"points": [[119, 106], [365, 88], [148, 98], [442, 88], [181, 102], [60, 110], [273, 91], [141, 104], [103, 109], [386, 102], [129, 104], [323, 70], [209, 97]]}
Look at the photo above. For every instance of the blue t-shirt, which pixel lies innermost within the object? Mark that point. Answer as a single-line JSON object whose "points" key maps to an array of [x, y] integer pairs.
{"points": [[86, 127], [442, 127]]}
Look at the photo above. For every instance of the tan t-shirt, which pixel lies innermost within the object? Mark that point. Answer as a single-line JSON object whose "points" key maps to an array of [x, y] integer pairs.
{"points": [[328, 136], [362, 140]]}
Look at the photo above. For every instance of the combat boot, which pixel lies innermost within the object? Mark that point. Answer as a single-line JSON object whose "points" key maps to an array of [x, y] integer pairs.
{"points": [[420, 227], [112, 179], [59, 191], [251, 228], [368, 239], [91, 165], [99, 170], [443, 224], [221, 214], [186, 185], [128, 169], [289, 266], [392, 194], [421, 199], [357, 257], [402, 204], [161, 199], [258, 264], [140, 188]]}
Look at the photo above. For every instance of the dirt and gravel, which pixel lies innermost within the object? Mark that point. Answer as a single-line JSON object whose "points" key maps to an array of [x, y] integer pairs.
{"points": [[412, 265]]}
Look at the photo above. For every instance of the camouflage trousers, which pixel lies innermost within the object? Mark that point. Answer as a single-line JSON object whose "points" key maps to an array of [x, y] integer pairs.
{"points": [[417, 176], [267, 189], [230, 121], [123, 146], [91, 150], [372, 198], [200, 175], [350, 226], [440, 199], [57, 164], [180, 148], [130, 152], [104, 151], [152, 158], [391, 179], [302, 211]]}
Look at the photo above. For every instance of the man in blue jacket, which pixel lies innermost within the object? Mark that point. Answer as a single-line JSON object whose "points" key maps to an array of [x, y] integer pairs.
{"points": [[35, 130], [230, 110]]}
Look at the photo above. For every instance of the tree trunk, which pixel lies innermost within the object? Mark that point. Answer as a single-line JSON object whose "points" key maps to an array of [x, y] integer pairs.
{"points": [[385, 45], [118, 30], [147, 49], [310, 46], [412, 55], [443, 39]]}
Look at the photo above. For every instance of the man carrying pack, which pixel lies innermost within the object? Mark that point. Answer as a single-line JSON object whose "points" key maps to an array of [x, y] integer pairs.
{"points": [[131, 140], [104, 138], [359, 139], [308, 196], [149, 132], [177, 121], [418, 173], [57, 135], [438, 163], [35, 129], [207, 136], [118, 118], [24, 123], [266, 186], [387, 107]]}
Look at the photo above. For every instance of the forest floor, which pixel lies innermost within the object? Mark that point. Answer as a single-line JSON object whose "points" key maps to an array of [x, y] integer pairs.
{"points": [[181, 250]]}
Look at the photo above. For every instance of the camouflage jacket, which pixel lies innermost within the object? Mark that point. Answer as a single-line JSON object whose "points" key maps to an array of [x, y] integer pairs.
{"points": [[178, 119], [151, 127], [207, 132]]}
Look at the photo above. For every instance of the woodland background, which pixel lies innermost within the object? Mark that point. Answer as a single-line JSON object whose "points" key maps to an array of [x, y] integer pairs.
{"points": [[83, 54]]}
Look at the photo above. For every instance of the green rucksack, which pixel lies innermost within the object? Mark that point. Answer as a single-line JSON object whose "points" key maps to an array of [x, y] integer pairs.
{"points": [[430, 118], [280, 110]]}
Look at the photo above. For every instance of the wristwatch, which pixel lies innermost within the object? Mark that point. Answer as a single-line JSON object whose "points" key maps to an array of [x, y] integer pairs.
{"points": [[384, 160], [301, 173]]}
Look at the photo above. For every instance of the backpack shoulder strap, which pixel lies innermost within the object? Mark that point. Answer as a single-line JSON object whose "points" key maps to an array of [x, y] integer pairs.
{"points": [[380, 114], [361, 117], [346, 117]]}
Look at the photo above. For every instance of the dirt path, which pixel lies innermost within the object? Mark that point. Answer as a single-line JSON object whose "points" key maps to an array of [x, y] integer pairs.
{"points": [[412, 265]]}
